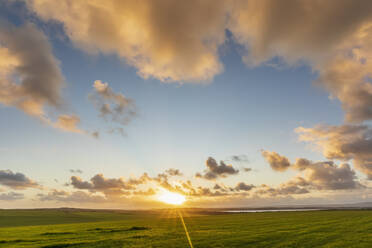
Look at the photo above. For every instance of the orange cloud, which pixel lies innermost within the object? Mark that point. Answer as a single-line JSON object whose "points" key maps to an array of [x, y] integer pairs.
{"points": [[68, 123], [31, 79], [167, 40], [333, 37], [30, 74], [345, 142]]}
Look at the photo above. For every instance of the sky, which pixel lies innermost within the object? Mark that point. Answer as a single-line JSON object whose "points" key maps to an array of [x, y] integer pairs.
{"points": [[229, 103]]}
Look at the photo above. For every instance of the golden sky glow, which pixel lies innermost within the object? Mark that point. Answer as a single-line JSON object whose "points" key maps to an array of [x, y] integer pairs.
{"points": [[171, 198]]}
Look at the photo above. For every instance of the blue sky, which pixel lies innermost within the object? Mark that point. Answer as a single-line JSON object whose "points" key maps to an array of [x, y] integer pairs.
{"points": [[241, 111]]}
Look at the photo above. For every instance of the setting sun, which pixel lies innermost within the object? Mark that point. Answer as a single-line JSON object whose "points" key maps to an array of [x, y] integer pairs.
{"points": [[172, 198]]}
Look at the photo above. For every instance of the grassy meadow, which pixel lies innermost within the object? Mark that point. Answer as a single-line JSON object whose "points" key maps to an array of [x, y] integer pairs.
{"points": [[88, 228]]}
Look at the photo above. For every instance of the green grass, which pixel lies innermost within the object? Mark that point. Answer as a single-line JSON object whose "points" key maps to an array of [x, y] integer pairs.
{"points": [[71, 228]]}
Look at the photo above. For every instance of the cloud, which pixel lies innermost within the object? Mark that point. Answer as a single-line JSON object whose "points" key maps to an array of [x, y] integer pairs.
{"points": [[65, 196], [345, 142], [78, 183], [145, 185], [215, 170], [324, 175], [333, 37], [276, 161], [16, 181], [148, 192], [244, 187], [240, 158], [118, 186], [190, 190], [174, 172], [68, 123], [183, 49], [295, 186], [30, 74], [316, 177], [98, 183], [112, 106], [118, 130], [31, 79], [327, 175], [76, 171], [11, 196]]}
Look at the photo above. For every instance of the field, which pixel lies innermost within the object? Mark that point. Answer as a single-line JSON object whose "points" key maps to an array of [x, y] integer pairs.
{"points": [[83, 228]]}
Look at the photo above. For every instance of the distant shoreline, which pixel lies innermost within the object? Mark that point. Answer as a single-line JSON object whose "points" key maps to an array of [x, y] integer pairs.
{"points": [[271, 210], [258, 209]]}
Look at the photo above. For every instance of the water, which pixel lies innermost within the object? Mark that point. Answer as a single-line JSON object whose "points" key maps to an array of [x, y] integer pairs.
{"points": [[270, 210]]}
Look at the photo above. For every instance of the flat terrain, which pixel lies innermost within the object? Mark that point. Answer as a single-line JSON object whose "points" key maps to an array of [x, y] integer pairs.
{"points": [[82, 228]]}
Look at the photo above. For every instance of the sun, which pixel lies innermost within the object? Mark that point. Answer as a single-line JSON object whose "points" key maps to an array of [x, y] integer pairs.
{"points": [[171, 198]]}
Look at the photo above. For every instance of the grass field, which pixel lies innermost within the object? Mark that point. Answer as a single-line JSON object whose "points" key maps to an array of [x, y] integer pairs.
{"points": [[72, 228]]}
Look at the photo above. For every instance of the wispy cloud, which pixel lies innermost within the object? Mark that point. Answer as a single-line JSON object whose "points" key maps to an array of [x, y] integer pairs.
{"points": [[112, 106], [11, 196]]}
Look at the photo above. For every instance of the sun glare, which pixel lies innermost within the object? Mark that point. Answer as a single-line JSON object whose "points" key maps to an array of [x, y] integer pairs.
{"points": [[172, 198]]}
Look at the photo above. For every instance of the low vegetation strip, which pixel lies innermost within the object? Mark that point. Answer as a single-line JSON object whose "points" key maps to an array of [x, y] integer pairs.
{"points": [[160, 229]]}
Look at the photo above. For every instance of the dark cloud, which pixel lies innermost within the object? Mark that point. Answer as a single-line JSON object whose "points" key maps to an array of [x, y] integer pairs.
{"points": [[173, 172], [78, 183], [11, 196], [95, 134], [277, 162], [101, 184], [76, 171], [16, 180], [217, 186], [345, 142], [240, 158], [118, 186], [244, 187], [215, 170], [246, 169]]}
